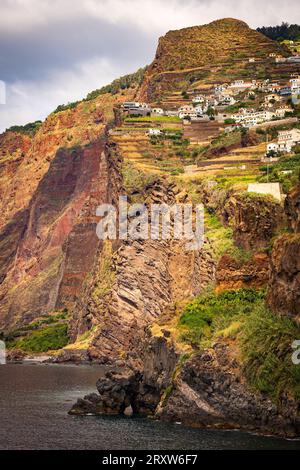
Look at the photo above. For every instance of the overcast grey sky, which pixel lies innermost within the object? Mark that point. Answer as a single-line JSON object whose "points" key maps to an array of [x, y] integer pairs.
{"points": [[55, 51]]}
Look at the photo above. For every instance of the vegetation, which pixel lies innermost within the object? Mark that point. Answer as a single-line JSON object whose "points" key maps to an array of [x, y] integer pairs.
{"points": [[49, 338], [286, 171], [206, 317], [29, 129], [104, 278], [266, 353], [46, 333], [220, 237], [264, 339], [119, 84], [64, 107], [116, 86], [135, 181], [281, 32]]}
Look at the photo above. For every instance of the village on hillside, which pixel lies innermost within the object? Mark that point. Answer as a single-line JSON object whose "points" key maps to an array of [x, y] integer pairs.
{"points": [[234, 131]]}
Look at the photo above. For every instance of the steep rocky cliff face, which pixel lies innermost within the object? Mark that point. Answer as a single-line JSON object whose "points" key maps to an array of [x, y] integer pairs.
{"points": [[256, 220], [235, 274], [210, 391], [52, 186], [284, 288], [135, 283]]}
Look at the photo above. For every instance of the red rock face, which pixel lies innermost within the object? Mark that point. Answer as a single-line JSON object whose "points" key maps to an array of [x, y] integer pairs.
{"points": [[59, 238], [50, 187], [233, 274]]}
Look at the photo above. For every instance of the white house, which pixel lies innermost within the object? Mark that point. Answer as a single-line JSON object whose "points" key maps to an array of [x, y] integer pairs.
{"points": [[280, 112], [252, 59], [251, 117], [131, 104], [187, 111], [154, 131], [240, 85], [294, 82], [280, 60], [159, 111], [287, 139], [198, 99], [144, 106], [272, 147], [220, 88], [225, 100], [199, 110], [272, 97]]}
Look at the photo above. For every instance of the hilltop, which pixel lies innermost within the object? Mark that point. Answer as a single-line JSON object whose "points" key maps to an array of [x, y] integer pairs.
{"points": [[194, 54]]}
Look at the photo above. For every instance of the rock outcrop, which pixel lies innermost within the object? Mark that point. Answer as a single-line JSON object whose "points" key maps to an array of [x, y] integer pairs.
{"points": [[236, 274], [255, 220], [143, 279], [207, 390], [284, 286], [210, 392]]}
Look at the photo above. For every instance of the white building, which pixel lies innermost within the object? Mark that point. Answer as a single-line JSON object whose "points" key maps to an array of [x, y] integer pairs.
{"points": [[220, 88], [272, 147], [225, 100], [187, 111], [198, 99], [131, 104], [280, 60], [294, 83], [287, 139], [154, 131], [251, 117], [199, 110], [240, 85], [159, 111], [272, 97], [280, 112]]}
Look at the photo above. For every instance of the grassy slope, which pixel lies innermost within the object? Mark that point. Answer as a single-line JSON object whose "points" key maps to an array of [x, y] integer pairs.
{"points": [[263, 339]]}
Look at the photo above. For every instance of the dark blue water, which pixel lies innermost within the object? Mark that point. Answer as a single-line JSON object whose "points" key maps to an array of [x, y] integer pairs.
{"points": [[35, 399]]}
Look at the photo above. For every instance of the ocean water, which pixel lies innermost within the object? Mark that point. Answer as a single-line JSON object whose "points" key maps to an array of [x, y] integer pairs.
{"points": [[35, 399]]}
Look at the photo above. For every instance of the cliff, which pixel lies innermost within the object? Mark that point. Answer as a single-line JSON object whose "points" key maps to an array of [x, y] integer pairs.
{"points": [[284, 288], [53, 184]]}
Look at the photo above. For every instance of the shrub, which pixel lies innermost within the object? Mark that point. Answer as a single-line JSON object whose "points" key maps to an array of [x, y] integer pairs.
{"points": [[119, 84], [65, 107], [211, 313], [43, 340], [266, 342], [30, 129]]}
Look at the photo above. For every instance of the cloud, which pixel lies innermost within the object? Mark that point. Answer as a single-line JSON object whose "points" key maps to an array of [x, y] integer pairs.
{"points": [[54, 51], [31, 100]]}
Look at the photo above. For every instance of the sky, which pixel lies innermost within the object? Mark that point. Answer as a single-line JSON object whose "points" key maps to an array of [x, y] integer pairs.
{"points": [[56, 51]]}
